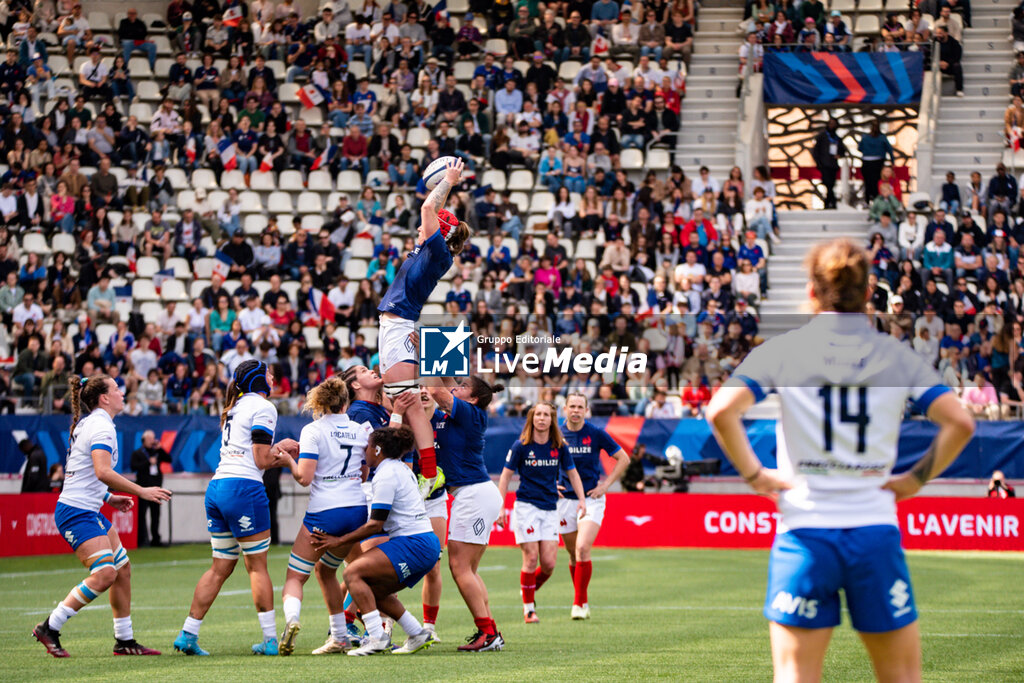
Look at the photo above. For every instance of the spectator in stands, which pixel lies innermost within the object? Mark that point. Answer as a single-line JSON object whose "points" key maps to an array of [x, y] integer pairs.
{"points": [[950, 54], [874, 149], [885, 202], [132, 33], [1001, 191], [828, 149], [938, 260]]}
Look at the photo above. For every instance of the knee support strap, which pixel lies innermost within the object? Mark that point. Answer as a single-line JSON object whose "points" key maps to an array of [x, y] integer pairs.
{"points": [[120, 558], [100, 560], [300, 564], [396, 389]]}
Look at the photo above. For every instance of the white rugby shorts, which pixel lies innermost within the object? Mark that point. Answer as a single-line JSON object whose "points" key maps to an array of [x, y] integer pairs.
{"points": [[530, 523], [475, 509], [567, 522], [394, 344]]}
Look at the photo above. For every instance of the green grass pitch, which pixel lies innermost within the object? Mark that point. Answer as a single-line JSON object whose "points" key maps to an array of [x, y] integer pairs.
{"points": [[657, 614]]}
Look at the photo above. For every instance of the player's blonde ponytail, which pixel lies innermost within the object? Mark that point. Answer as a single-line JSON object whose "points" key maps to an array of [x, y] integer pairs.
{"points": [[327, 398], [457, 241], [232, 398], [838, 271]]}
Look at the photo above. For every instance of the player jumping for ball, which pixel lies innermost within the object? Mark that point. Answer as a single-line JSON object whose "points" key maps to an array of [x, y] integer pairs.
{"points": [[441, 236]]}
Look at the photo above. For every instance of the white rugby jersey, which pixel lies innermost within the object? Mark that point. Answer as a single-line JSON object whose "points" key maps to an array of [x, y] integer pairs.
{"points": [[395, 489], [82, 489], [250, 412], [338, 445], [843, 388]]}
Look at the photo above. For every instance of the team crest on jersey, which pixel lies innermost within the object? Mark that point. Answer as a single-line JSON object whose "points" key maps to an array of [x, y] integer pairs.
{"points": [[586, 441], [554, 452]]}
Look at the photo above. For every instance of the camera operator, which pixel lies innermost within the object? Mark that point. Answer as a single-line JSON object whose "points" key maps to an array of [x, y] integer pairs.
{"points": [[998, 488]]}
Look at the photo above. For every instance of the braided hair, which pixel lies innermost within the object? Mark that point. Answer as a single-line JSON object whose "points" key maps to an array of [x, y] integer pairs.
{"points": [[85, 392], [250, 378]]}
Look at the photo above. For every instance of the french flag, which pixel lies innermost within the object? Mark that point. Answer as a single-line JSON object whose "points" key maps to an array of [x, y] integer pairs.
{"points": [[233, 16], [322, 309], [228, 154], [268, 163], [190, 150], [312, 95], [325, 157], [222, 264]]}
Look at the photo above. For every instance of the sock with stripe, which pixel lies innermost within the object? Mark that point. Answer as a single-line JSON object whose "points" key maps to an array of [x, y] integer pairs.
{"points": [[338, 631], [123, 628], [581, 580], [60, 615], [430, 613], [528, 586], [267, 623], [292, 608], [350, 616], [192, 625], [486, 625], [428, 462], [540, 578]]}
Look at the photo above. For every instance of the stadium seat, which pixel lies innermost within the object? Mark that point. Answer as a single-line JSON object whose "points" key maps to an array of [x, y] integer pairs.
{"points": [[313, 340], [181, 267], [143, 290], [288, 93], [496, 179], [203, 268], [203, 178], [319, 181], [657, 160], [418, 137], [65, 243], [433, 310], [496, 46], [291, 288], [99, 22], [377, 179], [314, 117], [541, 202], [845, 6], [186, 199], [464, 71], [389, 203], [632, 159], [173, 290], [312, 222], [369, 335], [867, 25], [520, 199], [309, 202], [254, 223], [146, 267], [151, 310], [350, 181], [163, 45], [355, 269], [196, 288], [586, 249], [568, 70], [262, 182], [177, 178], [357, 68], [343, 335], [250, 202], [149, 91], [142, 111], [35, 243], [280, 202], [278, 67], [290, 181], [439, 293], [233, 179], [139, 68], [104, 332], [520, 181], [59, 64], [361, 248], [872, 6]]}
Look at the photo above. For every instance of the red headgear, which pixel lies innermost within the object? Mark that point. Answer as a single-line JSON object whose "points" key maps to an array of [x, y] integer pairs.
{"points": [[447, 222]]}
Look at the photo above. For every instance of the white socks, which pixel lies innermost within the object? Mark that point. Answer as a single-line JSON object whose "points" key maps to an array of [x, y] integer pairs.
{"points": [[267, 623], [123, 628], [339, 629], [409, 624], [374, 625], [292, 608], [60, 615], [528, 607], [192, 625]]}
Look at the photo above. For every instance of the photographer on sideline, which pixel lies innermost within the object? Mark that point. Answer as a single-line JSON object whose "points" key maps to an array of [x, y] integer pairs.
{"points": [[998, 488]]}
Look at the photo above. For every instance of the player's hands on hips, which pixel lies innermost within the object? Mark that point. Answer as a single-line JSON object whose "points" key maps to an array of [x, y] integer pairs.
{"points": [[155, 494], [769, 482], [903, 485], [598, 491], [454, 173], [121, 503]]}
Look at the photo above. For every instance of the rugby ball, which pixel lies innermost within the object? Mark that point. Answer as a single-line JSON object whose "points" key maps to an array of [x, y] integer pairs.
{"points": [[435, 171]]}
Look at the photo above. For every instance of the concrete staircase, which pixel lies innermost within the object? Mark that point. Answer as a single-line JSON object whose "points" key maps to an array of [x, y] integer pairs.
{"points": [[710, 111], [787, 280], [969, 133]]}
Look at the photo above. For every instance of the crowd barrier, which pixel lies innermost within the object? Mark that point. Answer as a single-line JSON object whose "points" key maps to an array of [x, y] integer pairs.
{"points": [[634, 520], [194, 441]]}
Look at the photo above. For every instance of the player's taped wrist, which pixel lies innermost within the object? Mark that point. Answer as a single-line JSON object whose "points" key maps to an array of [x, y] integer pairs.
{"points": [[106, 497]]}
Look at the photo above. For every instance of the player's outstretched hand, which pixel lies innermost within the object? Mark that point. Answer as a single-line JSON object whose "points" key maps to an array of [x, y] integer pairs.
{"points": [[903, 485], [121, 503], [155, 494], [289, 446], [454, 173], [769, 482]]}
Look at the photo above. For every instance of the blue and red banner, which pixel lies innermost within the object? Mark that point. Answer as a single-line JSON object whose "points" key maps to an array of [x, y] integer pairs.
{"points": [[843, 77]]}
